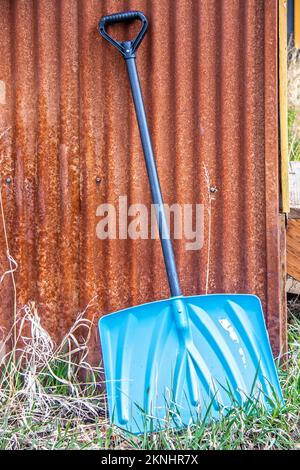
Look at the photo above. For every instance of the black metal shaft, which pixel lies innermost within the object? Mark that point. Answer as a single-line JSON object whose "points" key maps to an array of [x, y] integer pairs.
{"points": [[164, 234]]}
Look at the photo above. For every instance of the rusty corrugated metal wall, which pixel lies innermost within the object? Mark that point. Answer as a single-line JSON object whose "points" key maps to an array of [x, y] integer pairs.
{"points": [[209, 75]]}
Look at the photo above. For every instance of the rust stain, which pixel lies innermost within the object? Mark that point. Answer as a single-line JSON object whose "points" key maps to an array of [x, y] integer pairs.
{"points": [[69, 142]]}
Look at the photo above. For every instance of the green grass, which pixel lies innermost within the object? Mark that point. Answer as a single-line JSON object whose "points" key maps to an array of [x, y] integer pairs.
{"points": [[293, 92], [294, 140], [46, 404]]}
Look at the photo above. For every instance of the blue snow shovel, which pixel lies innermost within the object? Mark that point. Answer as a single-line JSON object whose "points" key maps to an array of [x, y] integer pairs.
{"points": [[175, 361]]}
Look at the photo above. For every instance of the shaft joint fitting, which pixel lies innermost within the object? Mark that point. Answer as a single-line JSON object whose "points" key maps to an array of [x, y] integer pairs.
{"points": [[128, 50]]}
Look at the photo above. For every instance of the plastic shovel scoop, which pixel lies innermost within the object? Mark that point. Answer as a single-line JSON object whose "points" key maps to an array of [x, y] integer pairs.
{"points": [[173, 361]]}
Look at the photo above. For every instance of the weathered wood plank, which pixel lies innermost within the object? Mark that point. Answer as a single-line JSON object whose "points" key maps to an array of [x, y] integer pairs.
{"points": [[293, 248], [297, 23], [294, 213]]}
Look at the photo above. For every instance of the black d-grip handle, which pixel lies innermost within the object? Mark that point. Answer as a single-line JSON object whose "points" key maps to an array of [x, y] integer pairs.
{"points": [[127, 48]]}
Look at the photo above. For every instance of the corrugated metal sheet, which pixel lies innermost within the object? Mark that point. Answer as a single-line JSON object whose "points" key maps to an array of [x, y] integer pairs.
{"points": [[209, 74]]}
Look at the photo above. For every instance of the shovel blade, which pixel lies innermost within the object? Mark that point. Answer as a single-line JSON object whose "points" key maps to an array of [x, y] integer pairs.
{"points": [[160, 374]]}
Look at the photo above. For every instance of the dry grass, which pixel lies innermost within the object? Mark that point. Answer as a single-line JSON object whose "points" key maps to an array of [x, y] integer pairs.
{"points": [[49, 394], [52, 398]]}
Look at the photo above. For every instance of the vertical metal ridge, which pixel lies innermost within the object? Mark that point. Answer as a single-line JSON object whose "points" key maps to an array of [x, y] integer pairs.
{"points": [[184, 70], [204, 136], [272, 218], [93, 253], [229, 165], [195, 256], [7, 163], [205, 133], [253, 145], [219, 136], [101, 170], [24, 140], [87, 155], [242, 170], [69, 161], [116, 82], [48, 219]]}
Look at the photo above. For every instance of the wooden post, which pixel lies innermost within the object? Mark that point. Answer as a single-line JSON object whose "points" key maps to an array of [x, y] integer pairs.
{"points": [[283, 104], [297, 23]]}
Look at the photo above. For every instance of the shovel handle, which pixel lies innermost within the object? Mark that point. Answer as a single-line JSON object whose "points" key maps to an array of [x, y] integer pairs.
{"points": [[126, 48]]}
